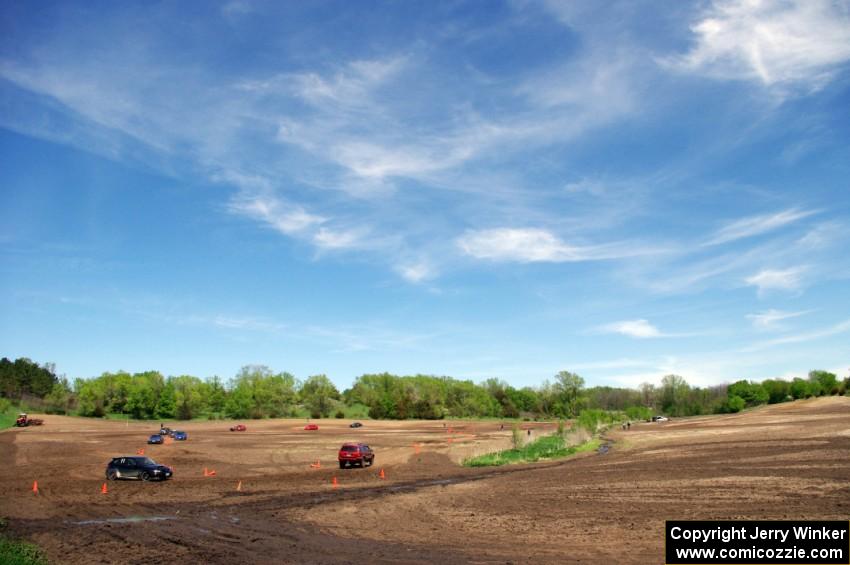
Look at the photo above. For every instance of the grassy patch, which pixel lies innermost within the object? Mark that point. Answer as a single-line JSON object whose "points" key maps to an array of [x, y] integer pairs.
{"points": [[20, 553], [8, 414], [547, 447]]}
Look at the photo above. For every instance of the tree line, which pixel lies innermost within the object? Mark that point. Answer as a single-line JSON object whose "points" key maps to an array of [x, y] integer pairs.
{"points": [[258, 392]]}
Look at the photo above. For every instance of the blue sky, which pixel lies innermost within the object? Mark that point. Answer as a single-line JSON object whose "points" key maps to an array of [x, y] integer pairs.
{"points": [[476, 189]]}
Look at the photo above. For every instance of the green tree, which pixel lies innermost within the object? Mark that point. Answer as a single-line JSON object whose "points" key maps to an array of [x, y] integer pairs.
{"points": [[215, 394], [674, 393], [239, 403], [800, 389], [143, 395], [777, 390], [90, 397], [318, 394], [166, 406], [752, 393], [828, 382], [23, 376], [568, 387], [58, 398], [188, 396], [734, 404]]}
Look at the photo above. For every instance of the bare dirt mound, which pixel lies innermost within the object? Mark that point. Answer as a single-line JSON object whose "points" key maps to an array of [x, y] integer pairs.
{"points": [[786, 461]]}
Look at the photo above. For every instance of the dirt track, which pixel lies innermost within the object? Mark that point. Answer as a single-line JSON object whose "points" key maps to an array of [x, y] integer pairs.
{"points": [[789, 461]]}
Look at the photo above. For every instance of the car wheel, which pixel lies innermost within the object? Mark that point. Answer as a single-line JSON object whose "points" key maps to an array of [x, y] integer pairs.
{"points": [[145, 476], [342, 465], [111, 475]]}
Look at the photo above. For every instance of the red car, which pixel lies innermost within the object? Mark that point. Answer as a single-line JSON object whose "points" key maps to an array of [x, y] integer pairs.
{"points": [[359, 453], [311, 427], [238, 428]]}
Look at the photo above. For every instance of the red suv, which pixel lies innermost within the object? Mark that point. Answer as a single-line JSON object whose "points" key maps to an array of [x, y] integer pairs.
{"points": [[351, 453]]}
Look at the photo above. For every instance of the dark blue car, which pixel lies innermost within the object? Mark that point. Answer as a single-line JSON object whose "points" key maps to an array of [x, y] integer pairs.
{"points": [[143, 468], [179, 436], [156, 438]]}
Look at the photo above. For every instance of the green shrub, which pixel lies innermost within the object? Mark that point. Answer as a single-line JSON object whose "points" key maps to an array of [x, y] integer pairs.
{"points": [[638, 413], [547, 447], [340, 415], [8, 413], [734, 404], [516, 436], [593, 420], [20, 553]]}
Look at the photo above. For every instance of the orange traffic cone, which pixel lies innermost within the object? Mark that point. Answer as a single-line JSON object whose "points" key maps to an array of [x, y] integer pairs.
{"points": [[239, 486], [381, 475], [334, 483], [140, 451], [103, 489], [35, 487], [316, 465], [416, 448], [212, 473]]}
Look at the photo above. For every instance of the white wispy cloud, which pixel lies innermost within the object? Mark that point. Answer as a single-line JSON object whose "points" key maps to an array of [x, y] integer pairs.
{"points": [[757, 225], [836, 329], [770, 279], [640, 329], [276, 213], [530, 245], [791, 43], [335, 239], [416, 272], [769, 319]]}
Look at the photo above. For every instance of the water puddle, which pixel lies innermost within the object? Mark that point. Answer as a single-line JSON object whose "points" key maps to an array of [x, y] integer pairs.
{"points": [[127, 520]]}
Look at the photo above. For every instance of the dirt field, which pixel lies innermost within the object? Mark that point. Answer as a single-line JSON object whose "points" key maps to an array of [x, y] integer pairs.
{"points": [[789, 461]]}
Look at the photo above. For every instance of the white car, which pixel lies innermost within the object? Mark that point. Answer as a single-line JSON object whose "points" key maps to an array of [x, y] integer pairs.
{"points": [[659, 418]]}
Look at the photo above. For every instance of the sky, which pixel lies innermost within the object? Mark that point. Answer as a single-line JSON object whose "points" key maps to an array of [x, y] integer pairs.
{"points": [[476, 189]]}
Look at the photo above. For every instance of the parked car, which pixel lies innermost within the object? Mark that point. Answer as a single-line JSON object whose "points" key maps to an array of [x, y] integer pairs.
{"points": [[155, 438], [659, 419], [137, 467], [311, 427], [179, 436], [355, 453], [238, 428], [355, 425]]}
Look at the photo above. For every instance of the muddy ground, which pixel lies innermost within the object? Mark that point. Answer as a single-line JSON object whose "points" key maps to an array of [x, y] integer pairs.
{"points": [[788, 461]]}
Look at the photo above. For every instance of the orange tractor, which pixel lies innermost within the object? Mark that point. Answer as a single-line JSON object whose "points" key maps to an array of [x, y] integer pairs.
{"points": [[24, 420]]}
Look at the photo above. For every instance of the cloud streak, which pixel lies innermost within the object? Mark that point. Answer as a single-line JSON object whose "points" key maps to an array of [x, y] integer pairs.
{"points": [[782, 280], [757, 225], [840, 328], [639, 329], [769, 319], [535, 245]]}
